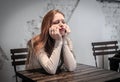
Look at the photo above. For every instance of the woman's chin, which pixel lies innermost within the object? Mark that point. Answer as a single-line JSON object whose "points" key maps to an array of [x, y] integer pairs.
{"points": [[62, 33]]}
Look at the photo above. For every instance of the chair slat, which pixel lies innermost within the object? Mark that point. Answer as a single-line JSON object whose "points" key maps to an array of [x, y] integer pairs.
{"points": [[105, 48], [104, 43], [21, 56], [22, 62], [104, 52], [19, 50]]}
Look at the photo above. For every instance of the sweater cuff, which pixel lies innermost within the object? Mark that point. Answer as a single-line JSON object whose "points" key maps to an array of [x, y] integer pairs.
{"points": [[58, 43]]}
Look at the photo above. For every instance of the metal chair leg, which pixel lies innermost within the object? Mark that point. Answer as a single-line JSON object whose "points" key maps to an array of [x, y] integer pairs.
{"points": [[16, 79]]}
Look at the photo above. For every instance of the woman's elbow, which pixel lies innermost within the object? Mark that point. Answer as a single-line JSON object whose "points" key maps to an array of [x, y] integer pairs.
{"points": [[72, 68], [51, 71]]}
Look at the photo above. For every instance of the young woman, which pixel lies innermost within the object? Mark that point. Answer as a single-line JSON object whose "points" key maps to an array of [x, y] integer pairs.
{"points": [[51, 49]]}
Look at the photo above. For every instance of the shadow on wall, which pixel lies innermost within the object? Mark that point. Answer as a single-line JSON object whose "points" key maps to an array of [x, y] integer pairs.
{"points": [[3, 57]]}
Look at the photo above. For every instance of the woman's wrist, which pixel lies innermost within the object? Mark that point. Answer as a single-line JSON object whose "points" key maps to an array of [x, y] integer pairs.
{"points": [[58, 42], [64, 41]]}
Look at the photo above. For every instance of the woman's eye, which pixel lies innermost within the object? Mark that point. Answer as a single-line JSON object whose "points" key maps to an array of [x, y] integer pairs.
{"points": [[56, 22], [63, 22]]}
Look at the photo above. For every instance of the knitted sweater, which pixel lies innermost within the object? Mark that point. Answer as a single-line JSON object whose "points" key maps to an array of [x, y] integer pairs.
{"points": [[50, 64]]}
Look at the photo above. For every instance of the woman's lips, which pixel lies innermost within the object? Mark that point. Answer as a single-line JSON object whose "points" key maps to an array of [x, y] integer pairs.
{"points": [[62, 29]]}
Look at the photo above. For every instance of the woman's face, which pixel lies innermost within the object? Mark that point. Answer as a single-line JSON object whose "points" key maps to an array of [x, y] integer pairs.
{"points": [[59, 20]]}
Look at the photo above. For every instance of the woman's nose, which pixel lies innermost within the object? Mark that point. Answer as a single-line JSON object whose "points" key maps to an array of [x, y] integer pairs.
{"points": [[61, 24]]}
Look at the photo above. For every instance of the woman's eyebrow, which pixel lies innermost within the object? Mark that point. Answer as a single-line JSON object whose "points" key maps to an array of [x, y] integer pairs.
{"points": [[59, 20]]}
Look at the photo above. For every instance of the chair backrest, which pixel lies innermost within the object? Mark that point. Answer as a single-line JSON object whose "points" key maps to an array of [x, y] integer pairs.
{"points": [[18, 56], [104, 48]]}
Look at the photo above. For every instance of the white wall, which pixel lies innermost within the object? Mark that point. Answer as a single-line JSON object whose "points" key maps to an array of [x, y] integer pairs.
{"points": [[87, 23]]}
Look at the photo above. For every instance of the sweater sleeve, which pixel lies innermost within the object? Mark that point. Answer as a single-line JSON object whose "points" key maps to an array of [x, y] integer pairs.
{"points": [[69, 58], [31, 62], [50, 64]]}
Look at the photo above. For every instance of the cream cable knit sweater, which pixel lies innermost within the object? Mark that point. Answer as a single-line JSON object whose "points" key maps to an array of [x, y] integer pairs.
{"points": [[51, 63]]}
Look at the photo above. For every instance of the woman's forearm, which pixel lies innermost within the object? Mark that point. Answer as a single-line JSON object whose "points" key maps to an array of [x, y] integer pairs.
{"points": [[69, 58], [50, 63]]}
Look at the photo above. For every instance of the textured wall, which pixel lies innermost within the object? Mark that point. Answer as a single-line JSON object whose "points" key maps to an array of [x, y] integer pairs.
{"points": [[111, 12]]}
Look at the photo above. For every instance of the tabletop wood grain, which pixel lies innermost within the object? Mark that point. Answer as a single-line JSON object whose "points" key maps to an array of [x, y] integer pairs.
{"points": [[83, 73]]}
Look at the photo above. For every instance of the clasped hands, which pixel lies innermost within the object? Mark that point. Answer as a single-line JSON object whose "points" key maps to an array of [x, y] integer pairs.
{"points": [[54, 32]]}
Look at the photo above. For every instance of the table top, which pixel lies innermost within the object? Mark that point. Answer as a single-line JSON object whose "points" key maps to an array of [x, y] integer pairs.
{"points": [[83, 73]]}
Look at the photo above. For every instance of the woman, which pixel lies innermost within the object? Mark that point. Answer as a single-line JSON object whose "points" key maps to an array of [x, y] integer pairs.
{"points": [[52, 49]]}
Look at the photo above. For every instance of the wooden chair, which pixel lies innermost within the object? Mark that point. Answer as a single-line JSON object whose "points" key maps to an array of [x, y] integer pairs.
{"points": [[18, 58], [104, 48]]}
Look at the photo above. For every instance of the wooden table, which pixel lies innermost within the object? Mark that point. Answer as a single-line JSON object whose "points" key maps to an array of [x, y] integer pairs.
{"points": [[83, 73]]}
